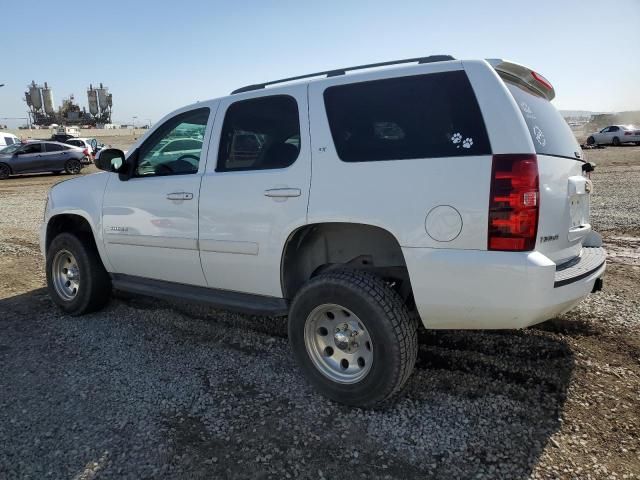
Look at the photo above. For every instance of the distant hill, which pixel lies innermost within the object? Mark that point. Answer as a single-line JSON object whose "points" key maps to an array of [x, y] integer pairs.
{"points": [[577, 113]]}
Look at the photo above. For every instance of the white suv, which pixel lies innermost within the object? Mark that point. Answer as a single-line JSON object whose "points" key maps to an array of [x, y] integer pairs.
{"points": [[440, 191]]}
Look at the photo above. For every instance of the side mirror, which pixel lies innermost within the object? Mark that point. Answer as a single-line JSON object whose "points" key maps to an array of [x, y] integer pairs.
{"points": [[111, 160]]}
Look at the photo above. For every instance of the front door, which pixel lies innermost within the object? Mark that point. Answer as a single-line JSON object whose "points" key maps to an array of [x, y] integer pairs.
{"points": [[256, 189], [151, 220], [28, 158]]}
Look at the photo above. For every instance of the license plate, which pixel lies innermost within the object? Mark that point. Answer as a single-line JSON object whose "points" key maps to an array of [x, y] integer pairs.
{"points": [[579, 209]]}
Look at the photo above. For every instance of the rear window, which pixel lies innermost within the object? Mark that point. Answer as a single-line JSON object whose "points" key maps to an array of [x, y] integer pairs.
{"points": [[8, 140], [549, 131], [421, 116]]}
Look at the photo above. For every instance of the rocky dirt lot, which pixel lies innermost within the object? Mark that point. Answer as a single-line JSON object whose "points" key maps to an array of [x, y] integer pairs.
{"points": [[146, 389]]}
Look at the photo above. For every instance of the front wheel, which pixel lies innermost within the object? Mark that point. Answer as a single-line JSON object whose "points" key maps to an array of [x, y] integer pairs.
{"points": [[76, 279], [73, 167], [353, 337], [5, 171], [591, 141]]}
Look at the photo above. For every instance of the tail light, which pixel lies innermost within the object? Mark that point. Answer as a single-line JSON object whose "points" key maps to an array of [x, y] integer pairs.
{"points": [[86, 152], [514, 203], [541, 80], [628, 133]]}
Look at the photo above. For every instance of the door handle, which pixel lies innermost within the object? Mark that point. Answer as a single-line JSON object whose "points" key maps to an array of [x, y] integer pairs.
{"points": [[282, 192], [180, 196]]}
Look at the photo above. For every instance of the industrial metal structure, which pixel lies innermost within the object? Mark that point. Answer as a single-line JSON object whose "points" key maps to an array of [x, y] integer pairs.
{"points": [[42, 110]]}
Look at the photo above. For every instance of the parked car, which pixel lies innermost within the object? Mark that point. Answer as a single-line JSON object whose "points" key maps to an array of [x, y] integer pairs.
{"points": [[7, 139], [40, 156], [61, 137], [445, 193], [186, 150], [615, 135], [89, 144]]}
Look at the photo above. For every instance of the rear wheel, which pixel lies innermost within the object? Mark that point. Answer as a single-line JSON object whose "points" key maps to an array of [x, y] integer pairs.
{"points": [[76, 279], [591, 141], [5, 171], [353, 337], [616, 141], [73, 167]]}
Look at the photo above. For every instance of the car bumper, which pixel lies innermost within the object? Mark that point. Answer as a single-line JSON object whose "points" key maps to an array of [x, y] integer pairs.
{"points": [[472, 289]]}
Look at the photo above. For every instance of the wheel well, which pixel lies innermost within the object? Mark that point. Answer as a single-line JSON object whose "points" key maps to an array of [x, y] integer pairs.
{"points": [[316, 248], [68, 223], [8, 166]]}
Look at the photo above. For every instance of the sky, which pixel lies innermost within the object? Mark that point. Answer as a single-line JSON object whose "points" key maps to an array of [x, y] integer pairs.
{"points": [[158, 56]]}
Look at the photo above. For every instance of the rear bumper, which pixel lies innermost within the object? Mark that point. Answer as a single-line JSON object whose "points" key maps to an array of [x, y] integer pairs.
{"points": [[475, 289]]}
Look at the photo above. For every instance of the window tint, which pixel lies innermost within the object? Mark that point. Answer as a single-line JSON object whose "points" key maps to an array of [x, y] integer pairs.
{"points": [[614, 129], [175, 147], [180, 145], [76, 143], [549, 131], [259, 134], [8, 141], [421, 116], [31, 148], [54, 147]]}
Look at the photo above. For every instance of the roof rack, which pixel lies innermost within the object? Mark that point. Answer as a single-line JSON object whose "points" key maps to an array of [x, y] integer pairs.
{"points": [[342, 71]]}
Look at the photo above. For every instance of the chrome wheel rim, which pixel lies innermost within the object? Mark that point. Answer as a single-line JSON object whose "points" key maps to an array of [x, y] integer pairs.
{"points": [[65, 275], [338, 343]]}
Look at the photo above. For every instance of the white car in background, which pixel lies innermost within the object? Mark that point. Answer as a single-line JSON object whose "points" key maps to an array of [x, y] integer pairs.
{"points": [[7, 139], [89, 144], [615, 135]]}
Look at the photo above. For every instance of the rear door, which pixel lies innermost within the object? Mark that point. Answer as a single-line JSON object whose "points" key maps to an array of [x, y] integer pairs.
{"points": [[255, 190], [564, 190], [54, 156]]}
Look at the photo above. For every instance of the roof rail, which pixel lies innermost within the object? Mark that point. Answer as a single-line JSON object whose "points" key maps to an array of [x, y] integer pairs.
{"points": [[342, 71]]}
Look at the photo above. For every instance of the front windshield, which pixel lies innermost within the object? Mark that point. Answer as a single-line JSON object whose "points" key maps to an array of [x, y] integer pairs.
{"points": [[11, 148]]}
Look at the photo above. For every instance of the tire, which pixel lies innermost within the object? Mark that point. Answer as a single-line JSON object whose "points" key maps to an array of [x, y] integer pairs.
{"points": [[73, 167], [86, 272], [379, 314], [615, 141], [5, 171], [591, 141]]}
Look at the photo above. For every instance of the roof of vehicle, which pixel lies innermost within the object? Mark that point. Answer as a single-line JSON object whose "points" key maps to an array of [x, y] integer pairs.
{"points": [[342, 71], [8, 134]]}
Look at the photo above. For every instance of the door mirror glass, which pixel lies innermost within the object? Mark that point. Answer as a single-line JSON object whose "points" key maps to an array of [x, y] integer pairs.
{"points": [[110, 160]]}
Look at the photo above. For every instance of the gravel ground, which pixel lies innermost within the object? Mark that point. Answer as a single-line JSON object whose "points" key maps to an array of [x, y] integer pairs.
{"points": [[146, 389]]}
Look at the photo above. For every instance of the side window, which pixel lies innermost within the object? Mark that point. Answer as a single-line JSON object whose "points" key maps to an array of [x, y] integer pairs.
{"points": [[614, 129], [420, 116], [31, 148], [54, 147], [76, 143], [260, 134], [175, 147], [8, 141]]}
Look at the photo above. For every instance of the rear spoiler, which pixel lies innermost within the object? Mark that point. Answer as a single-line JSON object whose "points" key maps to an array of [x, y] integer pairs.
{"points": [[524, 76]]}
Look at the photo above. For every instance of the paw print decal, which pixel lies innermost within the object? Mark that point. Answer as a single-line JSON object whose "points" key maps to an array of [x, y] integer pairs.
{"points": [[456, 137], [537, 132], [467, 142]]}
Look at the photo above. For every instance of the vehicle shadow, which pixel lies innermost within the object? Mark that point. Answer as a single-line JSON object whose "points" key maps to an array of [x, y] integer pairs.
{"points": [[196, 384]]}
